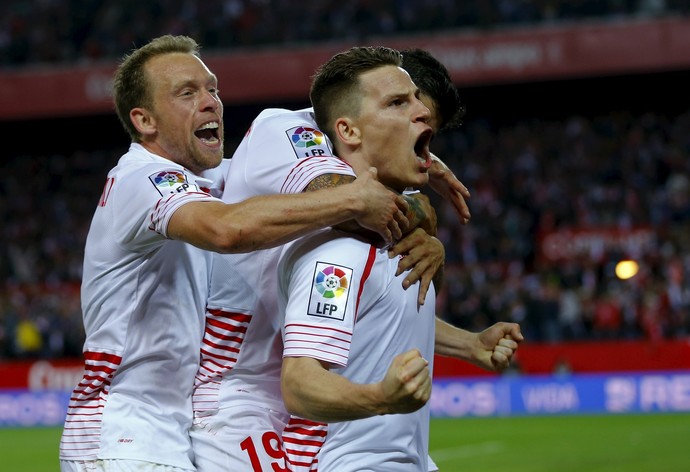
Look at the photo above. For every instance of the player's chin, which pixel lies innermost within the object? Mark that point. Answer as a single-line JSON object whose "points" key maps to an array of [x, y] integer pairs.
{"points": [[416, 182], [422, 179], [210, 158]]}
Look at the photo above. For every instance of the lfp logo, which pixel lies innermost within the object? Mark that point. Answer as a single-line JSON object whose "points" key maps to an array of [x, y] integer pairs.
{"points": [[304, 137], [330, 290], [308, 142], [170, 181]]}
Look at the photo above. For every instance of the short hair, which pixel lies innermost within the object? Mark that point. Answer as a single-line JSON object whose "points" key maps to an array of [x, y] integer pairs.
{"points": [[132, 88], [336, 83], [433, 79]]}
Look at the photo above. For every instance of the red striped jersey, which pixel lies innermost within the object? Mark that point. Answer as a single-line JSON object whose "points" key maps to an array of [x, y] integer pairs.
{"points": [[143, 300]]}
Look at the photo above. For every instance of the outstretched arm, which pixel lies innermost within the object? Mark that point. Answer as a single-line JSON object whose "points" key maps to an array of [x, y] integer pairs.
{"points": [[271, 220], [311, 391], [491, 349]]}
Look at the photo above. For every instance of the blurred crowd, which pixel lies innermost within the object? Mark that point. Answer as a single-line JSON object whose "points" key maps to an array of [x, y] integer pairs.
{"points": [[78, 31], [615, 171], [615, 174]]}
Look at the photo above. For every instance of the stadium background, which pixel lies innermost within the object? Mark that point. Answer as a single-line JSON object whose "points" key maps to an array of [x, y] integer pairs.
{"points": [[576, 148]]}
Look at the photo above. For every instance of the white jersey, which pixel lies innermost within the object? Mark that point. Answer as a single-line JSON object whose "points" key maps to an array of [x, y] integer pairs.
{"points": [[344, 305], [143, 298], [242, 348]]}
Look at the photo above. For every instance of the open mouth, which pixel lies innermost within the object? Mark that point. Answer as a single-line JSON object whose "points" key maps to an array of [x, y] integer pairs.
{"points": [[421, 147], [208, 133]]}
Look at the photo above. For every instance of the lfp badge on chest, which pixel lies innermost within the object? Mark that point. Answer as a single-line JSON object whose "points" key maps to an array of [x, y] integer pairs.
{"points": [[329, 291]]}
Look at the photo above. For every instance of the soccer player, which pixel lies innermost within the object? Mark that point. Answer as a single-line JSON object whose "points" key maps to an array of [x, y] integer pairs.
{"points": [[238, 406], [357, 346], [145, 279]]}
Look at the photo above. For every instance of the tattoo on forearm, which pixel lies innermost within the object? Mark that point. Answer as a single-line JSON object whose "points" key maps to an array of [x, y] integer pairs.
{"points": [[334, 180], [329, 181], [415, 213]]}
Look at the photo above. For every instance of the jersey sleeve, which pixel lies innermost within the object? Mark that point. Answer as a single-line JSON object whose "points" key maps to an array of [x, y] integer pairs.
{"points": [[321, 279], [143, 201], [283, 152]]}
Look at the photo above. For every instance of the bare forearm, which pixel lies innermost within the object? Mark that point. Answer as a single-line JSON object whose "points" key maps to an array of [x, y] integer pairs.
{"points": [[315, 393], [261, 222], [491, 349], [420, 213], [451, 341]]}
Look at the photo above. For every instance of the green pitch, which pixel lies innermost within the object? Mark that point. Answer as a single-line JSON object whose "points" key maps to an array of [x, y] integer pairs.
{"points": [[607, 443], [630, 443], [29, 449]]}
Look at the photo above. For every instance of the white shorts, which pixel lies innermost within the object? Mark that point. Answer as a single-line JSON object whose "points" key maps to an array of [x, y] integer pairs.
{"points": [[117, 465], [239, 439]]}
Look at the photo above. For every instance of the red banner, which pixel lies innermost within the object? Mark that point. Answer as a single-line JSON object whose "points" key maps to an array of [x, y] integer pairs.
{"points": [[254, 76], [41, 375], [584, 357], [595, 244], [579, 357]]}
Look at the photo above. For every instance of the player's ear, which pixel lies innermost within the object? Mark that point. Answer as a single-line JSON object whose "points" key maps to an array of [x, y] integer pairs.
{"points": [[143, 121], [347, 132]]}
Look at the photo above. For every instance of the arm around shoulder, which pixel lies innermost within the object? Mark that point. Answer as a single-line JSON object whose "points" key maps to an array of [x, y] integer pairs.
{"points": [[260, 222], [271, 220]]}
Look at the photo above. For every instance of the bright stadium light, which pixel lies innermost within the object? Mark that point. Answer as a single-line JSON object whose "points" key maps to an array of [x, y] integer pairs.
{"points": [[626, 269]]}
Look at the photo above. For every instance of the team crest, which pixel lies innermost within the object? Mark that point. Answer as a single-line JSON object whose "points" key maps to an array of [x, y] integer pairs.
{"points": [[330, 290], [171, 181], [308, 142]]}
